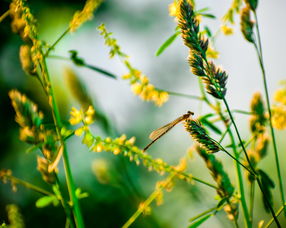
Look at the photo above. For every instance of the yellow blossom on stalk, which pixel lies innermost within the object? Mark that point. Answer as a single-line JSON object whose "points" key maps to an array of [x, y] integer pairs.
{"points": [[279, 109], [24, 23], [280, 96], [146, 91], [86, 14], [279, 117], [124, 146], [226, 30], [78, 116], [146, 209], [139, 82]]}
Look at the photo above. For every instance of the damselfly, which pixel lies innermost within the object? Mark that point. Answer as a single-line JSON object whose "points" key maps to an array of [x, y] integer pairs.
{"points": [[155, 135]]}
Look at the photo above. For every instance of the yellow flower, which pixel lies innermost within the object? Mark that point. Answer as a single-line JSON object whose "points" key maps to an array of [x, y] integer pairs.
{"points": [[280, 96], [146, 210], [226, 30], [116, 151], [76, 116], [136, 88], [86, 14], [279, 117]]}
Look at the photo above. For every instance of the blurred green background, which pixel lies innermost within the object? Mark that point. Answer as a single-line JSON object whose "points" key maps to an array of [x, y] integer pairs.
{"points": [[140, 27]]}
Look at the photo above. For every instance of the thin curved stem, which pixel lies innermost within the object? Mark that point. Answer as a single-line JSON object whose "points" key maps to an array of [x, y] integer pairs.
{"points": [[249, 163], [68, 173], [56, 42], [260, 58], [28, 185], [65, 205], [4, 15], [182, 95], [277, 214], [236, 153], [147, 202], [252, 194]]}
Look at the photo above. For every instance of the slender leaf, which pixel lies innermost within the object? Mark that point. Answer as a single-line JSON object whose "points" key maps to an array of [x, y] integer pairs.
{"points": [[208, 15], [167, 43], [200, 221]]}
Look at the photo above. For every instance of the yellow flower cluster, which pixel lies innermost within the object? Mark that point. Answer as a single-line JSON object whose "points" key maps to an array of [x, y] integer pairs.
{"points": [[33, 131], [226, 30], [86, 14], [279, 109], [228, 18], [140, 84], [14, 216], [126, 147], [24, 23], [79, 116], [28, 117]]}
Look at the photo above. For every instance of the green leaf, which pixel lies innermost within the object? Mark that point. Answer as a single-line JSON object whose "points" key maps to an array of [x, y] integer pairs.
{"points": [[202, 10], [100, 70], [44, 201], [208, 31], [267, 184], [80, 62], [167, 43], [208, 15], [200, 221]]}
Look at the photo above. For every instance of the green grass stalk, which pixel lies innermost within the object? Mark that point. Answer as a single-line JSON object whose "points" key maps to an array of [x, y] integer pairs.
{"points": [[68, 173], [261, 63]]}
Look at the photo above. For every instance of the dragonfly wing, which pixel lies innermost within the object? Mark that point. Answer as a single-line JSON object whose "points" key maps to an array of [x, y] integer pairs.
{"points": [[162, 130]]}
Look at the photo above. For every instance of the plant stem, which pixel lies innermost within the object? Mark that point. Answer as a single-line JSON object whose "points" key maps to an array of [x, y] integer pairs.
{"points": [[4, 15], [65, 205], [277, 214], [147, 202], [241, 112], [236, 154], [249, 163], [240, 181], [68, 173], [91, 67], [56, 42], [28, 185], [237, 161], [204, 182], [182, 94], [214, 209], [260, 58], [252, 193]]}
